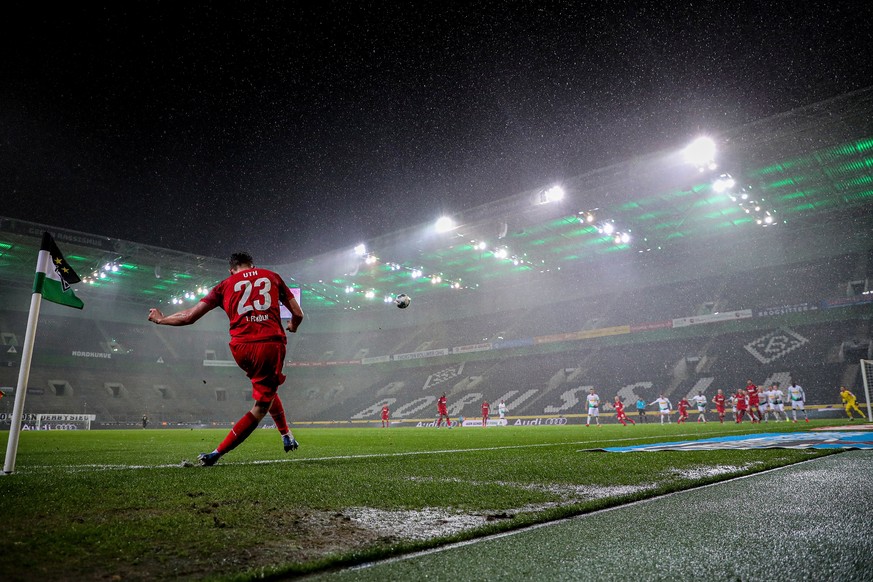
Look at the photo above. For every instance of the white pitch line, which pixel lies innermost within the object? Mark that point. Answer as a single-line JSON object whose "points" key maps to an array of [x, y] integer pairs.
{"points": [[105, 467]]}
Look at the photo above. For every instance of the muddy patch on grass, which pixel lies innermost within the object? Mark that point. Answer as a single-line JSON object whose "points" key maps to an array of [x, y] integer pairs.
{"points": [[422, 524], [711, 471]]}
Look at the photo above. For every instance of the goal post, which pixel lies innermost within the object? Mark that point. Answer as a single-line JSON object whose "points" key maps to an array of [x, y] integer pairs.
{"points": [[867, 376], [64, 421]]}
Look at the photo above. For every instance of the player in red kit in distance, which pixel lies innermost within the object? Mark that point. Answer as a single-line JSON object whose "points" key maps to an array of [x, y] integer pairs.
{"points": [[486, 410], [741, 404], [443, 411], [619, 412], [250, 297], [754, 401], [720, 399], [385, 413], [683, 405]]}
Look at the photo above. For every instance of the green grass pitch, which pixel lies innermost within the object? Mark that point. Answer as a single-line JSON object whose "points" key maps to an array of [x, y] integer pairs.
{"points": [[122, 504]]}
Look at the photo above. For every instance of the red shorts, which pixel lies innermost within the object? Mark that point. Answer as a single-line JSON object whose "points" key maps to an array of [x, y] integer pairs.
{"points": [[262, 362], [443, 411]]}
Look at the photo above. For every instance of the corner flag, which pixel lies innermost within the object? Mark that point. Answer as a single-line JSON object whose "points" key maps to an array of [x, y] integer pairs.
{"points": [[53, 281], [54, 276]]}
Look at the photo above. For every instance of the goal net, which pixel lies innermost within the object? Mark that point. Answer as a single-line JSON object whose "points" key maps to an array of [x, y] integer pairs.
{"points": [[64, 421], [867, 376]]}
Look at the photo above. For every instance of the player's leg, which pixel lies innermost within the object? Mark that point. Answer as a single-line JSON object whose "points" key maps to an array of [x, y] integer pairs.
{"points": [[277, 412], [262, 363]]}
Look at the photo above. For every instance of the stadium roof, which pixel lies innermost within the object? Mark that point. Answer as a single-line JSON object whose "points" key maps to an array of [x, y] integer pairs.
{"points": [[806, 166]]}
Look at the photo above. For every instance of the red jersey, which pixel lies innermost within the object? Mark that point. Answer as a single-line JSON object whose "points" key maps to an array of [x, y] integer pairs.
{"points": [[441, 404], [486, 408], [719, 400], [683, 406], [384, 413], [752, 391], [754, 398], [740, 401], [251, 299], [619, 409]]}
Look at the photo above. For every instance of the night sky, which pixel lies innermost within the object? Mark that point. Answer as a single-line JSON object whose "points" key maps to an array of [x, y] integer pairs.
{"points": [[288, 130]]}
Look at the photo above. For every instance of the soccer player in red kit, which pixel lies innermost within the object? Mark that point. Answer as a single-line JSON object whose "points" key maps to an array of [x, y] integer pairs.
{"points": [[486, 410], [754, 401], [741, 404], [251, 297], [720, 400], [683, 405], [385, 412], [619, 412], [443, 411]]}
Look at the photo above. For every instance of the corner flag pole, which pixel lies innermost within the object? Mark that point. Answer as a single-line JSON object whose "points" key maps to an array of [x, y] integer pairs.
{"points": [[23, 376], [54, 280]]}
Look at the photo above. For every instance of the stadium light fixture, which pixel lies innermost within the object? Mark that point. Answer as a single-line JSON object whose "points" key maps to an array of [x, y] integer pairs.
{"points": [[701, 153], [444, 224], [551, 194], [723, 183], [361, 250], [606, 227]]}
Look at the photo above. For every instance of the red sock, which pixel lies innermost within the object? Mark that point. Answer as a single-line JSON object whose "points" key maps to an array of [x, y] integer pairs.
{"points": [[277, 411], [621, 420], [240, 432], [630, 420]]}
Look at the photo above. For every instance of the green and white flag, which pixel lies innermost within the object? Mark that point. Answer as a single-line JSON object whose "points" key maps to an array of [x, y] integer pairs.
{"points": [[54, 276]]}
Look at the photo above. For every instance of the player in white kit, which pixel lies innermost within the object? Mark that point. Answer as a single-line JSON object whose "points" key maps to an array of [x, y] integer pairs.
{"points": [[664, 407], [798, 401], [593, 407], [700, 402]]}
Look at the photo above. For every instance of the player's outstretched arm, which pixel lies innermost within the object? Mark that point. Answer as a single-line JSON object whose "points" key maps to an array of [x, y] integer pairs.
{"points": [[184, 317], [296, 313]]}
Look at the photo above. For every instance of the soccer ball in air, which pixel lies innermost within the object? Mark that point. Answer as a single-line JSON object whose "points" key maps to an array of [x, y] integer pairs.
{"points": [[402, 301]]}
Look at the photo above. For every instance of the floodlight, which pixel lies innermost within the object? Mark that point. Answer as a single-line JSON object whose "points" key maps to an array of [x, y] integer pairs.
{"points": [[444, 224], [608, 228], [482, 245], [723, 183], [500, 253], [361, 250], [370, 259], [625, 237], [553, 194], [700, 153], [370, 294], [416, 273]]}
